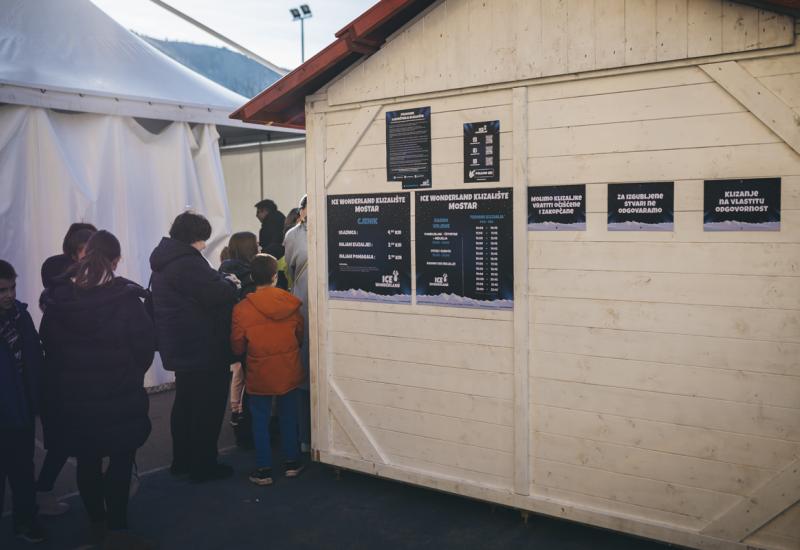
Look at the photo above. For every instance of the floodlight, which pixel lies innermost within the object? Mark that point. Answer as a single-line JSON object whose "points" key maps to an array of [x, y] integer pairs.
{"points": [[306, 9], [295, 13]]}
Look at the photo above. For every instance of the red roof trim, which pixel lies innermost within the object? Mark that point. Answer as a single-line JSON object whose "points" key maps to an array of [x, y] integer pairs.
{"points": [[283, 103]]}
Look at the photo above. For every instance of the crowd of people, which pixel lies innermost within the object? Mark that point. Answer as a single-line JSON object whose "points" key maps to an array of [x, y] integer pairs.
{"points": [[239, 331]]}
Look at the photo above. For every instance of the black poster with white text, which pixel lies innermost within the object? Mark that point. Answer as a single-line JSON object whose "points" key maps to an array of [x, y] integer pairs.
{"points": [[641, 206], [742, 205], [465, 248], [369, 247], [557, 208], [482, 151], [408, 147]]}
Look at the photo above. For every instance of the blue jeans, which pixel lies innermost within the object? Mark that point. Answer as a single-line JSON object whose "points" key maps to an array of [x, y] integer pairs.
{"points": [[261, 409]]}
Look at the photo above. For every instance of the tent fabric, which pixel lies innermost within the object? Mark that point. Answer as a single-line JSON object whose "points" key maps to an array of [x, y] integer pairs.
{"points": [[59, 168], [72, 45]]}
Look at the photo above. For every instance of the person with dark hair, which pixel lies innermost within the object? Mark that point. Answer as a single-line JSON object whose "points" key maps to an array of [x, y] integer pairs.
{"points": [[53, 268], [21, 362], [99, 342], [268, 328], [270, 236], [296, 243], [284, 278], [72, 250], [192, 304], [242, 248]]}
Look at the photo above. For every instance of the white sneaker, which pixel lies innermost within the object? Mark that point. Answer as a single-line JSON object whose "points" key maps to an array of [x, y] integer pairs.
{"points": [[49, 505]]}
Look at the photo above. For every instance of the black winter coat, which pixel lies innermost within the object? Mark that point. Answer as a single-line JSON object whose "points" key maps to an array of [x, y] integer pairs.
{"points": [[242, 270], [98, 345], [192, 304], [270, 236]]}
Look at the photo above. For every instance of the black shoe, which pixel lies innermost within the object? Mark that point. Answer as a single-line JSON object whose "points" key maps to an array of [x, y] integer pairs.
{"points": [[30, 532], [261, 476], [217, 471], [236, 418]]}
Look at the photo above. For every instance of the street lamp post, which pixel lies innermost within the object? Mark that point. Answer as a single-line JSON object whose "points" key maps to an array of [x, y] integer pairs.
{"points": [[301, 14]]}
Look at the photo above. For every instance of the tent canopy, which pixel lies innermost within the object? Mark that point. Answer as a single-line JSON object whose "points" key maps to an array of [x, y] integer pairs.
{"points": [[68, 54]]}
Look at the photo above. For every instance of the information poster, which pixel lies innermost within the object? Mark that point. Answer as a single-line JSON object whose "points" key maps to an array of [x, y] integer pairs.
{"points": [[369, 247], [482, 151], [557, 208], [742, 205], [465, 248], [408, 147], [641, 206]]}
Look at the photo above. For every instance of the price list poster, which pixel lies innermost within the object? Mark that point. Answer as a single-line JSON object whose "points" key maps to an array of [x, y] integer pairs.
{"points": [[369, 247], [408, 147], [465, 248]]}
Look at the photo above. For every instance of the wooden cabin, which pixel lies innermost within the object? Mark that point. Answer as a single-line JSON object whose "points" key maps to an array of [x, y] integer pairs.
{"points": [[602, 366]]}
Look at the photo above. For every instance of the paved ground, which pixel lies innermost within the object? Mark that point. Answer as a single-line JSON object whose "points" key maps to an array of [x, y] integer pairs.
{"points": [[315, 511]]}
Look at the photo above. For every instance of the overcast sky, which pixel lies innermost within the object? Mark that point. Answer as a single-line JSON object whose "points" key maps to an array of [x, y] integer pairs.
{"points": [[263, 26]]}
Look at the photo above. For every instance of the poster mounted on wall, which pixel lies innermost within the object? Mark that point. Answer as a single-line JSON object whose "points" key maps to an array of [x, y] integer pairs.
{"points": [[369, 247], [465, 248], [641, 206], [408, 147], [742, 205], [557, 208], [482, 151]]}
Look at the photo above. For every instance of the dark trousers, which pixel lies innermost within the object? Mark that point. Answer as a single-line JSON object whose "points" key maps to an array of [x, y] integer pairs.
{"points": [[200, 402], [16, 465], [106, 496], [53, 464]]}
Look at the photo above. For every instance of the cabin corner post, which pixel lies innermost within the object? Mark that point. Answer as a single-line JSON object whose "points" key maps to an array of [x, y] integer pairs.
{"points": [[522, 417], [317, 287]]}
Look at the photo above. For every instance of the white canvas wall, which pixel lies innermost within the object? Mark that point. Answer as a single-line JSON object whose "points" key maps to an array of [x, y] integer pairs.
{"points": [[58, 168]]}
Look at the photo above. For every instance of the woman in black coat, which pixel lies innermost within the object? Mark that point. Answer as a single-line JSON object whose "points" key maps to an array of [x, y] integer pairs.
{"points": [[99, 342]]}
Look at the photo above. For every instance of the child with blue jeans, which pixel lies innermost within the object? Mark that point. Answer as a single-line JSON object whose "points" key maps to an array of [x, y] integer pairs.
{"points": [[268, 328]]}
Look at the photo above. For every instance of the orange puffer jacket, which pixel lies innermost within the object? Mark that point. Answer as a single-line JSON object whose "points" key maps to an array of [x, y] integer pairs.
{"points": [[267, 324]]}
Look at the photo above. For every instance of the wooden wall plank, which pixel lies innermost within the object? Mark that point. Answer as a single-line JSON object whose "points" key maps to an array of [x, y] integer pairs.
{"points": [[445, 453], [709, 475], [772, 66], [424, 327], [432, 377], [760, 507], [676, 288], [503, 42], [644, 492], [786, 87], [727, 322], [554, 37], [709, 258], [773, 29], [423, 310], [739, 27], [580, 31], [744, 161], [609, 37], [340, 440], [676, 349], [663, 78], [787, 524], [672, 102], [672, 26], [528, 38], [522, 416], [479, 46], [651, 135], [466, 407], [434, 426], [448, 471], [368, 180], [640, 31], [775, 114], [724, 384], [457, 50], [774, 422], [705, 27], [446, 354], [725, 448], [342, 151]]}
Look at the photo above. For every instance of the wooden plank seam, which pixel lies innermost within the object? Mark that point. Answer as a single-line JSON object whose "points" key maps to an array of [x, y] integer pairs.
{"points": [[353, 427]]}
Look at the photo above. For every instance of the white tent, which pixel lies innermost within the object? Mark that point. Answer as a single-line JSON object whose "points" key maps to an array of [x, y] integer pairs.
{"points": [[75, 90]]}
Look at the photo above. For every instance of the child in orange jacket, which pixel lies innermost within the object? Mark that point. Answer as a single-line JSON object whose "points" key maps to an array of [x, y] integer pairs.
{"points": [[268, 327]]}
